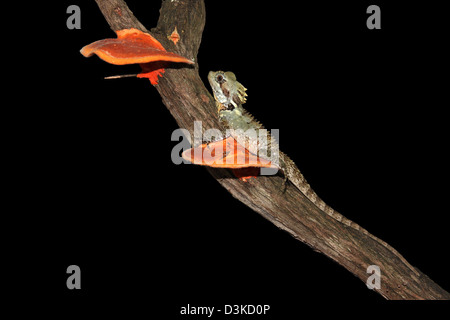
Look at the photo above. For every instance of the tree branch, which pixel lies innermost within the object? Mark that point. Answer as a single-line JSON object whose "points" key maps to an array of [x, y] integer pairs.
{"points": [[184, 94]]}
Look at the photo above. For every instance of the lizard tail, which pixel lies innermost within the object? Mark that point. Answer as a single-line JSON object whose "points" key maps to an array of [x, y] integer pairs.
{"points": [[298, 180]]}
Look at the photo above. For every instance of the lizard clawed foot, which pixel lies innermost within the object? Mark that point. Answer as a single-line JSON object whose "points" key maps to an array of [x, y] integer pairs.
{"points": [[284, 185]]}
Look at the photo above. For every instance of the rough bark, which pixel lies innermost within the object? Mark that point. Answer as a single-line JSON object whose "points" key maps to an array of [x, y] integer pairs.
{"points": [[188, 100]]}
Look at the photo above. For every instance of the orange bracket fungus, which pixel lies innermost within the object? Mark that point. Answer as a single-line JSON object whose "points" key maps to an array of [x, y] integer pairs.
{"points": [[228, 153], [133, 46]]}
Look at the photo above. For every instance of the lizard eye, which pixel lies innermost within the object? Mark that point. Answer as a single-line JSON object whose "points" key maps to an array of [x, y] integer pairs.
{"points": [[219, 78]]}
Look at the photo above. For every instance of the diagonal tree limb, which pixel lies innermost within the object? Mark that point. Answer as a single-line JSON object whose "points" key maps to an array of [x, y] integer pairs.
{"points": [[188, 100]]}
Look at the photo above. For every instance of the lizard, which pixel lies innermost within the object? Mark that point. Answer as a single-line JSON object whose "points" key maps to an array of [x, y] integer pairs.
{"points": [[229, 97]]}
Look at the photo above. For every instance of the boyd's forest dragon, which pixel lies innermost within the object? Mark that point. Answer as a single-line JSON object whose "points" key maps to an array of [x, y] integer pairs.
{"points": [[230, 95]]}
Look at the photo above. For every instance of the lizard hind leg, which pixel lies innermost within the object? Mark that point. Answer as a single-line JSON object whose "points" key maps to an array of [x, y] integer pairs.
{"points": [[280, 173], [285, 182], [283, 173]]}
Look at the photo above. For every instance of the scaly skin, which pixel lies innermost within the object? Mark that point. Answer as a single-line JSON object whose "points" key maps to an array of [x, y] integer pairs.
{"points": [[230, 96]]}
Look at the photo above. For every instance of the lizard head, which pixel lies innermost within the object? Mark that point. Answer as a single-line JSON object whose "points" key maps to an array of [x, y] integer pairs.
{"points": [[228, 92]]}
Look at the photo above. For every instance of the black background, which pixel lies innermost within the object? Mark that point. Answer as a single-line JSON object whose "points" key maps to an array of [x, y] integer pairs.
{"points": [[360, 111]]}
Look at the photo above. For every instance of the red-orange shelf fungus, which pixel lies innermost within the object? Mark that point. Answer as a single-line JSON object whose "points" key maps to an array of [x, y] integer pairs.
{"points": [[227, 153], [133, 46]]}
